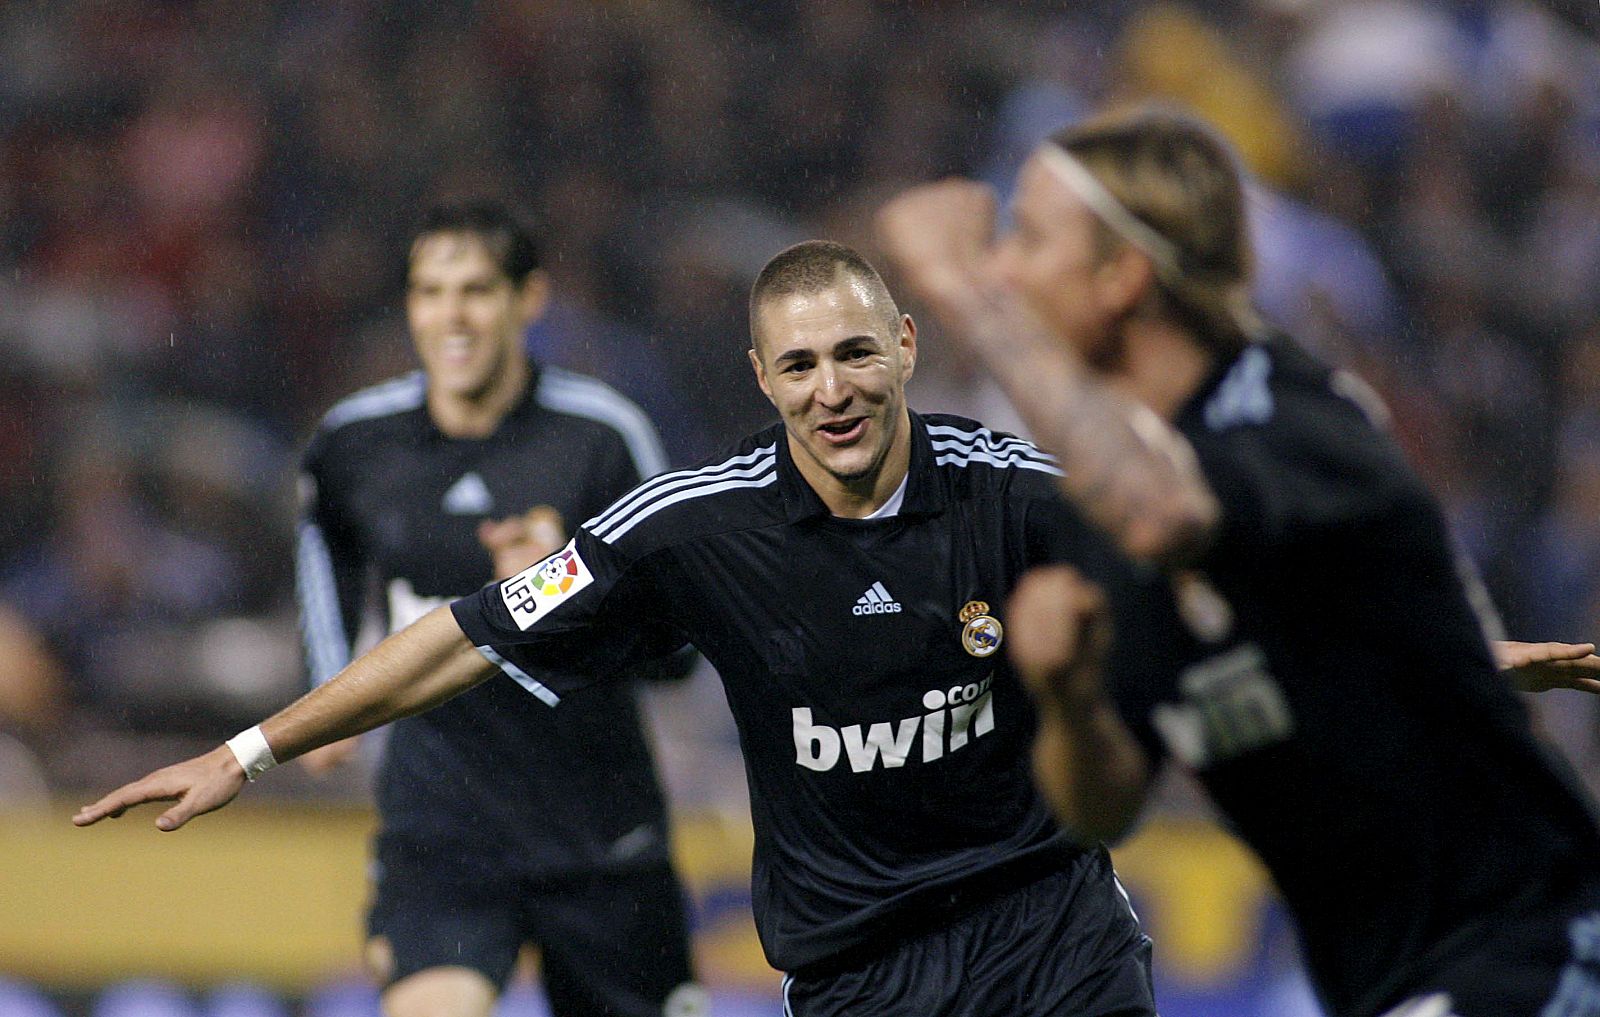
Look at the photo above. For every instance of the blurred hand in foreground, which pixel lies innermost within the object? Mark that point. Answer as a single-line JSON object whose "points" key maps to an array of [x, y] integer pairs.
{"points": [[939, 235], [1058, 631]]}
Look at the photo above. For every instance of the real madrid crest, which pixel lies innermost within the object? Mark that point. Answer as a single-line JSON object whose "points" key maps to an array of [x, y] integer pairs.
{"points": [[982, 631]]}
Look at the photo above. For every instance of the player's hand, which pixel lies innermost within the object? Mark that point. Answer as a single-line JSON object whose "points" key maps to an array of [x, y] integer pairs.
{"points": [[521, 541], [939, 235], [199, 785], [331, 756], [1540, 667], [1058, 632]]}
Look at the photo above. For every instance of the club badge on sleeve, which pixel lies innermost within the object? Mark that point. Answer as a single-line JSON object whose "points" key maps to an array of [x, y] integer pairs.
{"points": [[536, 591]]}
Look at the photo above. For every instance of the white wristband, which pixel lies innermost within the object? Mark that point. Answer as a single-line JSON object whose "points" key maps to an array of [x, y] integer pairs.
{"points": [[250, 748]]}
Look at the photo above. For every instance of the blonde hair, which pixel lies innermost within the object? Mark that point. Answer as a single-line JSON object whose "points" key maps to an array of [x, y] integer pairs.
{"points": [[1176, 177]]}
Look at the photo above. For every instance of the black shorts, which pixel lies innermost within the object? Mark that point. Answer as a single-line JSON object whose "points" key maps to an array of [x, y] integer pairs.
{"points": [[1066, 945], [613, 943], [1540, 961]]}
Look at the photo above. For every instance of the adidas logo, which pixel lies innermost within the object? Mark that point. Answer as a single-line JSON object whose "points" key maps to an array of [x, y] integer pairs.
{"points": [[876, 601], [468, 496]]}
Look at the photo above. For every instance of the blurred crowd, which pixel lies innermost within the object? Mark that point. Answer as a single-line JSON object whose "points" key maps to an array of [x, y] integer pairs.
{"points": [[205, 206]]}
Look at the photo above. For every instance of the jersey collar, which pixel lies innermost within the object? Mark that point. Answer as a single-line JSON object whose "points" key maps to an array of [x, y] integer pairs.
{"points": [[925, 493], [526, 405]]}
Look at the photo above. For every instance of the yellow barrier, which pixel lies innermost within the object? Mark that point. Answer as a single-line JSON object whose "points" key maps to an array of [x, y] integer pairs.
{"points": [[275, 894]]}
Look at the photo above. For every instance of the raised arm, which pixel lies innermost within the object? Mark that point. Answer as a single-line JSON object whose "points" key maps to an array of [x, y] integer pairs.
{"points": [[1085, 759], [409, 672], [1128, 471]]}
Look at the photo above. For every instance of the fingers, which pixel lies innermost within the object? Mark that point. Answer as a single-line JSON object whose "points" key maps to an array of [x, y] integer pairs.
{"points": [[1510, 653], [330, 757], [113, 805], [495, 534], [540, 529], [1541, 653], [1577, 653], [198, 785], [937, 229], [1056, 623], [544, 529], [181, 813]]}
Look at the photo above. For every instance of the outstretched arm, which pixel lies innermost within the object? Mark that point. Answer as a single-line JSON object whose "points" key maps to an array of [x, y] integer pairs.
{"points": [[1128, 471], [414, 669], [1540, 667], [1085, 759]]}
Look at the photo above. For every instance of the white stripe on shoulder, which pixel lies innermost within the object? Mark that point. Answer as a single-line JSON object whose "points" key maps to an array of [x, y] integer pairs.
{"points": [[1243, 396], [1023, 451], [521, 677], [580, 395], [963, 446], [678, 479], [397, 395], [983, 435], [322, 623], [744, 479], [965, 459]]}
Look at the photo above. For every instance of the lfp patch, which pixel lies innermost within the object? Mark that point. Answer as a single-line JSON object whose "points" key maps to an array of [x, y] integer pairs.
{"points": [[536, 591]]}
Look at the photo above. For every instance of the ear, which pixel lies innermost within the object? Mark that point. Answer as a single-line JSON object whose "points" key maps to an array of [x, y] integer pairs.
{"points": [[533, 297], [1125, 280], [908, 348], [761, 375]]}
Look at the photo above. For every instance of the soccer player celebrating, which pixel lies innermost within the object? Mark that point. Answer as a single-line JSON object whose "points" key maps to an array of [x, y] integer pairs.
{"points": [[844, 571], [502, 822], [1323, 662]]}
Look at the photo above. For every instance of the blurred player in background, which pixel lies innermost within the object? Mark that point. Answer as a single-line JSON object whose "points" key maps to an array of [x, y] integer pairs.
{"points": [[1323, 665], [502, 822], [842, 570]]}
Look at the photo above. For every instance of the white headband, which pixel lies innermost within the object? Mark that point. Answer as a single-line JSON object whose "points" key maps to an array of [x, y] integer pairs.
{"points": [[1077, 178]]}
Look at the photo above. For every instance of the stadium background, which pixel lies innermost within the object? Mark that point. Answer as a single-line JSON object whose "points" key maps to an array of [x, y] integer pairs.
{"points": [[203, 204]]}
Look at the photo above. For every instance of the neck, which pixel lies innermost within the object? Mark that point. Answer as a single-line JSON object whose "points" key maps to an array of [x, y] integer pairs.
{"points": [[858, 497], [477, 415], [1163, 366]]}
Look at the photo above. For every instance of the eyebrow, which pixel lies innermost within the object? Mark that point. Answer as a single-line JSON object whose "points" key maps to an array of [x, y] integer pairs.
{"points": [[850, 342]]}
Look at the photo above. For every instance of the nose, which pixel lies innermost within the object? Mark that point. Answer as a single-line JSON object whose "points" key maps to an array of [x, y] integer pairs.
{"points": [[832, 391], [1003, 260], [455, 308]]}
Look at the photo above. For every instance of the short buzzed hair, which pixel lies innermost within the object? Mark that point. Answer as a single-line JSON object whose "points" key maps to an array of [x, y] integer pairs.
{"points": [[813, 266]]}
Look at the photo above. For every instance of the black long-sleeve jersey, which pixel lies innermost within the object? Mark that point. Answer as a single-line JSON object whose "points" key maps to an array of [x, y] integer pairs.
{"points": [[885, 736], [1333, 689], [391, 500]]}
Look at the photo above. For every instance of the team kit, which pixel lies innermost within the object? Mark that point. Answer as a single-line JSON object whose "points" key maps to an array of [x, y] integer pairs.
{"points": [[1223, 560]]}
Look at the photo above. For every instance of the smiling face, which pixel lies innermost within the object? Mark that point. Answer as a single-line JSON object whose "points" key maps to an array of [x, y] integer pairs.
{"points": [[467, 316], [835, 361]]}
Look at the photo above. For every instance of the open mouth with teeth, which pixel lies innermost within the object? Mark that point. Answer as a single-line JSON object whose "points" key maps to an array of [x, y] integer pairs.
{"points": [[456, 349], [842, 432]]}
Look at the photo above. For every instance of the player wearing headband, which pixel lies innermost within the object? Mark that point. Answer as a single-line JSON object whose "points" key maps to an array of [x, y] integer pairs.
{"points": [[1323, 662]]}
